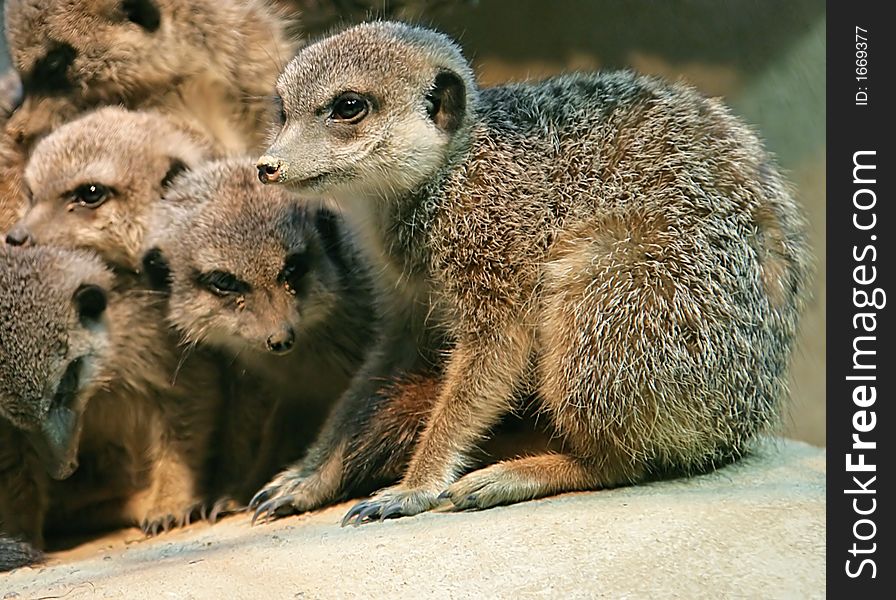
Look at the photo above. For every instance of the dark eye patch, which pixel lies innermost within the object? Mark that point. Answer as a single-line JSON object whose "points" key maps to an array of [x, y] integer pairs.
{"points": [[295, 267], [222, 283], [90, 301], [279, 109], [50, 74], [175, 168]]}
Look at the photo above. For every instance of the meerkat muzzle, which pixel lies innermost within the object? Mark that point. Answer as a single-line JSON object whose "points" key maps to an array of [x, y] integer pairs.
{"points": [[270, 169]]}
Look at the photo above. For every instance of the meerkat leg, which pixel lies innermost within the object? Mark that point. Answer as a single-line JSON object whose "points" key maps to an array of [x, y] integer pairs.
{"points": [[398, 415], [477, 391], [593, 339], [173, 498], [319, 478]]}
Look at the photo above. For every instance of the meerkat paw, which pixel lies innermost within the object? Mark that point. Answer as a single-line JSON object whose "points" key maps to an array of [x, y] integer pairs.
{"points": [[488, 487], [289, 493], [162, 521], [391, 503], [221, 508]]}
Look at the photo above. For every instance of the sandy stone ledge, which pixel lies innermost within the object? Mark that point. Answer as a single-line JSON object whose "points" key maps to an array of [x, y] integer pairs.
{"points": [[752, 530]]}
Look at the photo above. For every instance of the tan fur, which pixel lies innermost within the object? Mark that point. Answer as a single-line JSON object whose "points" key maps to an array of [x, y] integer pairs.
{"points": [[210, 62], [618, 245], [128, 153], [12, 159]]}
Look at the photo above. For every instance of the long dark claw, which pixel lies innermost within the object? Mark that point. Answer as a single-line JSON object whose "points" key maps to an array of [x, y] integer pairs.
{"points": [[393, 509], [260, 497], [356, 510], [263, 509], [272, 508]]}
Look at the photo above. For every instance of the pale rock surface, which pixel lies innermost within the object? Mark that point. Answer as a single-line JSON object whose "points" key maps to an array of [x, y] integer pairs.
{"points": [[752, 530]]}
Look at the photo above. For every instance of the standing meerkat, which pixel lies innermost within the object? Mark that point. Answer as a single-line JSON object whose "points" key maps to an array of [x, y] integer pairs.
{"points": [[103, 426], [276, 284], [93, 182], [209, 62], [619, 245]]}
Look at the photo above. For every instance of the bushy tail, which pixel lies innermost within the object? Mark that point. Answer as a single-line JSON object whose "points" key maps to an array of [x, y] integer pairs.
{"points": [[15, 554]]}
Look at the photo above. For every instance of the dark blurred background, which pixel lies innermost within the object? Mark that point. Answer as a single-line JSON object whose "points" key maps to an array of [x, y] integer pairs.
{"points": [[765, 58]]}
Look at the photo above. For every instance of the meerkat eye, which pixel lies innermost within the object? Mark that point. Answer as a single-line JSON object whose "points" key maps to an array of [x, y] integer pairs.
{"points": [[222, 283], [294, 270], [350, 108], [91, 195]]}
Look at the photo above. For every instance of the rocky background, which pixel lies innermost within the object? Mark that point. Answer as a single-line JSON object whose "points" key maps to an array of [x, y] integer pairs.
{"points": [[765, 58]]}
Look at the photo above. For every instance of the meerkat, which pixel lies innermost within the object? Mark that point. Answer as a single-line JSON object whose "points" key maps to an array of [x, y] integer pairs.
{"points": [[103, 425], [620, 245], [54, 337], [275, 283], [212, 62], [93, 182]]}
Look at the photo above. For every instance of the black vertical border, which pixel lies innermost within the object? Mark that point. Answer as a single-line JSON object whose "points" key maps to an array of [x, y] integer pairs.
{"points": [[852, 128]]}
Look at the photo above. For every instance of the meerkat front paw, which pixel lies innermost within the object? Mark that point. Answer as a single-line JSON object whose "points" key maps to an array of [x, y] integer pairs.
{"points": [[488, 487], [221, 508], [391, 503], [289, 493], [162, 521]]}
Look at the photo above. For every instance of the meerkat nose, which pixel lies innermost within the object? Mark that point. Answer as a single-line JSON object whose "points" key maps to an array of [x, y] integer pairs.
{"points": [[18, 236], [282, 341], [270, 169]]}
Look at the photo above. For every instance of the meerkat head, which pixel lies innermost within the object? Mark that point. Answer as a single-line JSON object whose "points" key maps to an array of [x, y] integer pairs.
{"points": [[74, 55], [92, 182], [51, 344], [102, 51], [247, 266], [375, 109]]}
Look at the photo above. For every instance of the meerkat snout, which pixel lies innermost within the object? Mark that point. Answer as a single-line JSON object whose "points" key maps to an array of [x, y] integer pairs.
{"points": [[19, 236], [269, 169], [282, 341]]}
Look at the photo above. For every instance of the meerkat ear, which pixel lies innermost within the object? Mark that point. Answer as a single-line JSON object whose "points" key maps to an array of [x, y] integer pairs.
{"points": [[447, 101], [144, 13], [90, 300], [157, 270], [176, 167]]}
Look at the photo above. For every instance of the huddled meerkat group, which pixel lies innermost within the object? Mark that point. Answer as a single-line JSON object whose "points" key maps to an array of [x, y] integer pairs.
{"points": [[189, 329]]}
